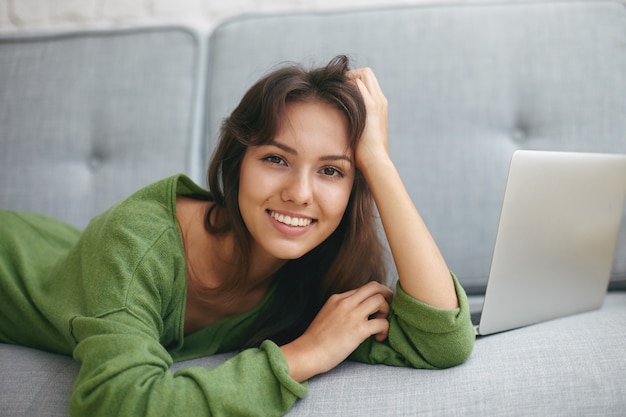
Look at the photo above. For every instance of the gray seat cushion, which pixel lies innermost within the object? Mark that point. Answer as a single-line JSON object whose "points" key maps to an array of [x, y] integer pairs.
{"points": [[565, 367]]}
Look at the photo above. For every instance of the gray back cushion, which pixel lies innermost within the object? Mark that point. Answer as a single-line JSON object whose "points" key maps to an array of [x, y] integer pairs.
{"points": [[467, 86], [88, 118]]}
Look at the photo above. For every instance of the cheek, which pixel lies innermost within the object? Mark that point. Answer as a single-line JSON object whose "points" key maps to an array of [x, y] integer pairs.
{"points": [[335, 200], [246, 192], [251, 181]]}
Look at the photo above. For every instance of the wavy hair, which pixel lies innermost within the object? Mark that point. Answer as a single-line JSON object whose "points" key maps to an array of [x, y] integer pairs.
{"points": [[351, 256]]}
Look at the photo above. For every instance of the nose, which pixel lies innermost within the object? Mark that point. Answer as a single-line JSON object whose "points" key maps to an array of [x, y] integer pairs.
{"points": [[298, 189]]}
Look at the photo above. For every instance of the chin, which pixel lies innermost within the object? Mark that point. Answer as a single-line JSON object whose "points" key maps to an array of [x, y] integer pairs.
{"points": [[290, 253]]}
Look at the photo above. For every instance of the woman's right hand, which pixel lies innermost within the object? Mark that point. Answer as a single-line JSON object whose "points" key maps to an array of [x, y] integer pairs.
{"points": [[344, 322]]}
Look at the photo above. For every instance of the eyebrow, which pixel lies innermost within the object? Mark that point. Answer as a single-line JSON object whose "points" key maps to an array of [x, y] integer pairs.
{"points": [[292, 151]]}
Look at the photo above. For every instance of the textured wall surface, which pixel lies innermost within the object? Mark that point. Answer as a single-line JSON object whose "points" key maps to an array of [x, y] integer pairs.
{"points": [[32, 15]]}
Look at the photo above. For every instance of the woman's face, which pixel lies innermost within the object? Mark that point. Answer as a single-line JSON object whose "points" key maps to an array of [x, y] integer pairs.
{"points": [[294, 190]]}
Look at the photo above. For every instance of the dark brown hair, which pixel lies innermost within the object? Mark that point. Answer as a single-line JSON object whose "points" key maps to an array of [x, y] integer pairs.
{"points": [[352, 255]]}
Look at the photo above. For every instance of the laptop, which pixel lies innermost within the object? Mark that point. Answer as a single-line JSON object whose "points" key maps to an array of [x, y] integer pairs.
{"points": [[556, 239]]}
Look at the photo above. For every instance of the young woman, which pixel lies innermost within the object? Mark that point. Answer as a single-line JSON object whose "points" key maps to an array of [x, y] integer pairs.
{"points": [[280, 260]]}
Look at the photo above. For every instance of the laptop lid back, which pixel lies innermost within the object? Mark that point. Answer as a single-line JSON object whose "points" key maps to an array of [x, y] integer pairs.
{"points": [[556, 238]]}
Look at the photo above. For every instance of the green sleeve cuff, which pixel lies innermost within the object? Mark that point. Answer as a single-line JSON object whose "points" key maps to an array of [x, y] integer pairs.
{"points": [[280, 368], [428, 318]]}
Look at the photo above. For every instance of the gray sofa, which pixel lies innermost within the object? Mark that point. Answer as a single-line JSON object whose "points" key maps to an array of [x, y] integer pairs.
{"points": [[88, 117]]}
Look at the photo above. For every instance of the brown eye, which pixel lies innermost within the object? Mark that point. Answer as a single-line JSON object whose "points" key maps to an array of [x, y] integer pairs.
{"points": [[332, 172], [274, 159]]}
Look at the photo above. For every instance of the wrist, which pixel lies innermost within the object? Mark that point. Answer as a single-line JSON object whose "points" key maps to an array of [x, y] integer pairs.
{"points": [[300, 360], [376, 166], [369, 153]]}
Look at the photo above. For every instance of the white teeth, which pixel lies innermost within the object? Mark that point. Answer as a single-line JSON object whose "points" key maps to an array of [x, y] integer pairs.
{"points": [[291, 221]]}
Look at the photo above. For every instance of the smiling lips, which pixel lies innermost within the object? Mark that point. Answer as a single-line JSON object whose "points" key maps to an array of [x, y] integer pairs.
{"points": [[290, 221]]}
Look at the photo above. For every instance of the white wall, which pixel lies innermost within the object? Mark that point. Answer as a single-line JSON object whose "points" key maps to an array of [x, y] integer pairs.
{"points": [[33, 15]]}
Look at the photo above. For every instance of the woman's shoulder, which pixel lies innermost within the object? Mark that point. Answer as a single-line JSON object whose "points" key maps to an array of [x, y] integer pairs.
{"points": [[167, 189], [135, 247], [148, 211], [144, 223]]}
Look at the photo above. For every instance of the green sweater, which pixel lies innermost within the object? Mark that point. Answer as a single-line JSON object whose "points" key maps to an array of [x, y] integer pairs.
{"points": [[113, 296]]}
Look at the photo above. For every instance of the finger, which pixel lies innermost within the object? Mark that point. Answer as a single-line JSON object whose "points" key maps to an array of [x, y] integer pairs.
{"points": [[374, 287], [367, 76], [379, 328], [345, 294], [367, 291], [365, 93], [358, 295], [375, 100], [362, 73], [375, 306], [381, 336]]}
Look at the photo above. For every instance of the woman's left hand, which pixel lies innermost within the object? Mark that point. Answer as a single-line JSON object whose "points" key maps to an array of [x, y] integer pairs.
{"points": [[374, 142]]}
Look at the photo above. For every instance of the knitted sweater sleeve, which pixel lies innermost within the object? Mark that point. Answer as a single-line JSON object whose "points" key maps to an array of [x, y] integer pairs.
{"points": [[125, 372], [126, 297], [422, 336]]}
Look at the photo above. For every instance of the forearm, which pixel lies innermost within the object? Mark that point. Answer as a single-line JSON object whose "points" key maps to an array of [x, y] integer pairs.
{"points": [[421, 336], [301, 367], [422, 270], [125, 373]]}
